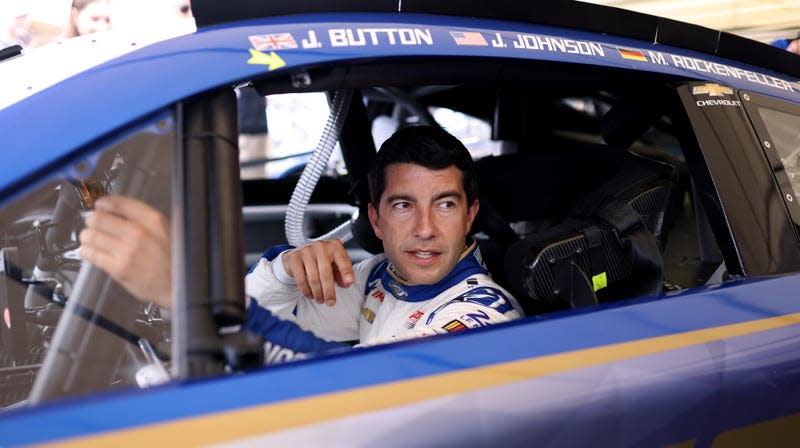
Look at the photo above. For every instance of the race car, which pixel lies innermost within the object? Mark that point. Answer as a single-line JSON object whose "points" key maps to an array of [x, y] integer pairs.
{"points": [[639, 183]]}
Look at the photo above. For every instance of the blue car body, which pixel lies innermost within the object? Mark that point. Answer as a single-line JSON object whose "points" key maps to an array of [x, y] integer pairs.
{"points": [[702, 366]]}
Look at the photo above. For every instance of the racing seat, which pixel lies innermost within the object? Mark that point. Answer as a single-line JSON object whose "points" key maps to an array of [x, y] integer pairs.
{"points": [[590, 230], [528, 192], [608, 247]]}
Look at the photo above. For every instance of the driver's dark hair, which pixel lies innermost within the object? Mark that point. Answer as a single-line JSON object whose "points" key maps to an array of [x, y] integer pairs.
{"points": [[428, 146]]}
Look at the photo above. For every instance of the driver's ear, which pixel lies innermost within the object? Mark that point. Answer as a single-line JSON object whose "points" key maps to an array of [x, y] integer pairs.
{"points": [[373, 220], [471, 214]]}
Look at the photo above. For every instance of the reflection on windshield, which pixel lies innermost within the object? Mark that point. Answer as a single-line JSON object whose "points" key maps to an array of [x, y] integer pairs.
{"points": [[67, 328]]}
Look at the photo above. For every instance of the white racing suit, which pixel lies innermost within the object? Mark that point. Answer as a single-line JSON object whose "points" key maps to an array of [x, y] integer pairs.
{"points": [[378, 308]]}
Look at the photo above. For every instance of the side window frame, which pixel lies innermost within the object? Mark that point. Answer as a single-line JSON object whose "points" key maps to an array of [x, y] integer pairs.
{"points": [[753, 103], [736, 187]]}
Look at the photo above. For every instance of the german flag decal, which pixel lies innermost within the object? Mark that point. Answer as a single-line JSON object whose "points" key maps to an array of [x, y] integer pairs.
{"points": [[454, 325], [635, 55]]}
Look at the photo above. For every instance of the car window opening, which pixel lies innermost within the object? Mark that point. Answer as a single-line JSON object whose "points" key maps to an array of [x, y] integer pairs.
{"points": [[615, 155]]}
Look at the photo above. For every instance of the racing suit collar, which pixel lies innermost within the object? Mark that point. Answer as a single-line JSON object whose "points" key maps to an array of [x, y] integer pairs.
{"points": [[470, 263]]}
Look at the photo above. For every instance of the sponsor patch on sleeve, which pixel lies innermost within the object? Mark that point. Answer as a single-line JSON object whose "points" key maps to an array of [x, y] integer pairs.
{"points": [[454, 326], [368, 314]]}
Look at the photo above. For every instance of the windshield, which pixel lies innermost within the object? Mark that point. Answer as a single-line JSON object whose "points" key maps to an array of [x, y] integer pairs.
{"points": [[67, 329]]}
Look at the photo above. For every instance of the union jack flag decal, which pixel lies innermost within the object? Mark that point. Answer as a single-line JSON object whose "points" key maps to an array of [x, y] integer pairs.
{"points": [[275, 41]]}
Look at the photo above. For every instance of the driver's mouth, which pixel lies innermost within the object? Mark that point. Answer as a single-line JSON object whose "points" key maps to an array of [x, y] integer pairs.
{"points": [[423, 255]]}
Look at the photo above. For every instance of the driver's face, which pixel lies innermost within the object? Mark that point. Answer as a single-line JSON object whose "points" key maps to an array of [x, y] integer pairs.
{"points": [[423, 219]]}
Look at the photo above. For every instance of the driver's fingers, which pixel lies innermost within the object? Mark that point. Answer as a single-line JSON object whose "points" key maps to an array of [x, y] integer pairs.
{"points": [[105, 252], [104, 260], [325, 272], [142, 268], [293, 263], [124, 230], [318, 267], [308, 255], [109, 232], [104, 222], [122, 205], [137, 211], [98, 237], [342, 265], [92, 238], [124, 271]]}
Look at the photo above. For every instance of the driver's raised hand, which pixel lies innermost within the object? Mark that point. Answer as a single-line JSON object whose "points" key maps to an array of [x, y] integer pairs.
{"points": [[318, 267], [130, 241]]}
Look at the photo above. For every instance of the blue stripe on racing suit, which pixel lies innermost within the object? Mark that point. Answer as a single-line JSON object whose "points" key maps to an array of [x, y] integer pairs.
{"points": [[484, 296], [271, 253], [286, 341]]}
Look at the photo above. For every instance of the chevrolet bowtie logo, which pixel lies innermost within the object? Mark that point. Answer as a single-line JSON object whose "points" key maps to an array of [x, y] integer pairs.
{"points": [[712, 90]]}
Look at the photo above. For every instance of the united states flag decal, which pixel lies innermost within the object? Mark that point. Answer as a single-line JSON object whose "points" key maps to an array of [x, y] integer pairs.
{"points": [[471, 38]]}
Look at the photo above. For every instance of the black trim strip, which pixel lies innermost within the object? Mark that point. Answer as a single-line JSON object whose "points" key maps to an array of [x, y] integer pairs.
{"points": [[10, 52], [106, 324]]}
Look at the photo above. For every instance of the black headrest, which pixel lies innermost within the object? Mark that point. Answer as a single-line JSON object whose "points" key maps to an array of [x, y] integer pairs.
{"points": [[606, 248], [545, 182], [364, 235]]}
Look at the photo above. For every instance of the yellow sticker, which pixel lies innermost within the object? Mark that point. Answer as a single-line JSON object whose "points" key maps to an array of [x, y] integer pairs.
{"points": [[368, 314], [599, 281], [272, 60]]}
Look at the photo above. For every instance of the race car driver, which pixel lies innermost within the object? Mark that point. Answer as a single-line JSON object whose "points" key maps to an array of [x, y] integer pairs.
{"points": [[429, 280]]}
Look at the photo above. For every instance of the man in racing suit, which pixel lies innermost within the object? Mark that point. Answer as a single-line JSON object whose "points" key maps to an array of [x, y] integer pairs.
{"points": [[429, 280], [380, 308]]}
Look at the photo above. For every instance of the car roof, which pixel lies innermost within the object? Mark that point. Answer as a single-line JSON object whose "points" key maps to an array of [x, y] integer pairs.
{"points": [[576, 15], [39, 68], [91, 104]]}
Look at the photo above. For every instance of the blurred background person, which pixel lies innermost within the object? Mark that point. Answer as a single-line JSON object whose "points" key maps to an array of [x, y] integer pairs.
{"points": [[185, 18], [15, 24], [184, 8], [88, 16]]}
